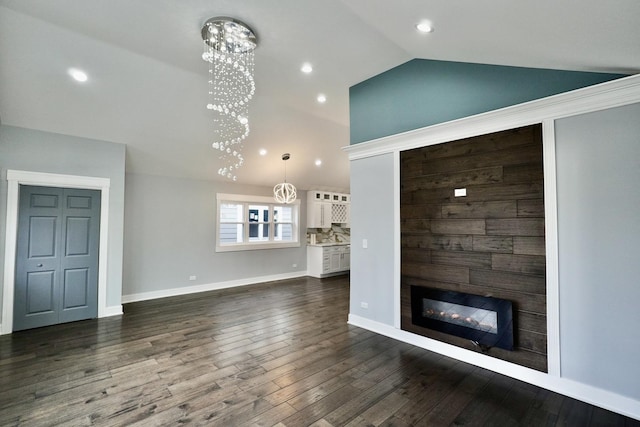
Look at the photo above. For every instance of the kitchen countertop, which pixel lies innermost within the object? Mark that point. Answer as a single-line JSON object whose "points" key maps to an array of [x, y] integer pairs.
{"points": [[331, 244]]}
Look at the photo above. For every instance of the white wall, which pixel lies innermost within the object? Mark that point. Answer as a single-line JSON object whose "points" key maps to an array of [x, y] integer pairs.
{"points": [[170, 229], [35, 151], [598, 173]]}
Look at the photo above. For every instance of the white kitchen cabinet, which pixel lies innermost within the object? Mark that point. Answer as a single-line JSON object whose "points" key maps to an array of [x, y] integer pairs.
{"points": [[340, 198], [345, 260], [334, 261], [319, 196], [319, 214], [323, 261], [324, 209]]}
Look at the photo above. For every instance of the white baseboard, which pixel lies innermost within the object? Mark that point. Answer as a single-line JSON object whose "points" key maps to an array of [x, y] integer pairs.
{"points": [[586, 393], [143, 296], [112, 310]]}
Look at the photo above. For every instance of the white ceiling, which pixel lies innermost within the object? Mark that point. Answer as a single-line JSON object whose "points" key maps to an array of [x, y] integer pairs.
{"points": [[147, 86]]}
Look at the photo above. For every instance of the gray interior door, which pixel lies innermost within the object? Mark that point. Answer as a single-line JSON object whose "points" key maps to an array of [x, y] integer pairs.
{"points": [[57, 256]]}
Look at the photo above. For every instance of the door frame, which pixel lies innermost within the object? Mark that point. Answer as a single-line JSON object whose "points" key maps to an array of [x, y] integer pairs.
{"points": [[15, 178]]}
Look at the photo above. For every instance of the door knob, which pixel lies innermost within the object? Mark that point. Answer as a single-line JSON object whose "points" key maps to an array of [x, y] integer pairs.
{"points": [[39, 265]]}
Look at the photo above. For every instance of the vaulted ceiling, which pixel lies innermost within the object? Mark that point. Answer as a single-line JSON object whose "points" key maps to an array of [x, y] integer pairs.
{"points": [[147, 82]]}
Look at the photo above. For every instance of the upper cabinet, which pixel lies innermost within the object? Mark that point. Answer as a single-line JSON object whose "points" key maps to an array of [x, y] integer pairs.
{"points": [[319, 196], [340, 213], [340, 198], [318, 214], [326, 208]]}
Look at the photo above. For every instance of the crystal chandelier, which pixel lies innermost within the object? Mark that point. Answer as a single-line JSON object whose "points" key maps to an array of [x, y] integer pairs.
{"points": [[284, 192], [229, 49]]}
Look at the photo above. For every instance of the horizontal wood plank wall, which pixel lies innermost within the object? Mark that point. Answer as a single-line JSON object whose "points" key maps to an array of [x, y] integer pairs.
{"points": [[490, 242]]}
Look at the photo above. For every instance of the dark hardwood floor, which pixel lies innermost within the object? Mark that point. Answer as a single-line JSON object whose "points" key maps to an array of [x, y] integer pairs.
{"points": [[279, 353]]}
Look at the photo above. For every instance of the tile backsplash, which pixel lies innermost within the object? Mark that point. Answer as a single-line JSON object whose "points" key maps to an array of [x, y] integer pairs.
{"points": [[335, 234]]}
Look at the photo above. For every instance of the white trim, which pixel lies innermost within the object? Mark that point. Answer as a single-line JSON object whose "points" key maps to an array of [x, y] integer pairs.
{"points": [[551, 247], [251, 199], [11, 236], [616, 93], [112, 310], [14, 179], [397, 314], [144, 296], [586, 393], [256, 246]]}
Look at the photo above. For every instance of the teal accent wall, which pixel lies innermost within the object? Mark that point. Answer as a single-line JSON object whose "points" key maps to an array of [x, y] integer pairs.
{"points": [[424, 92]]}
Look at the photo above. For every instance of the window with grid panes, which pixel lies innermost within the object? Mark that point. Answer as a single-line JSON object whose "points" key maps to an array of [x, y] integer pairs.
{"points": [[255, 222]]}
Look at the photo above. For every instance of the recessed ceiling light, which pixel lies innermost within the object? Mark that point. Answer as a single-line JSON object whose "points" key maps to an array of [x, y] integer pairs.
{"points": [[262, 152], [322, 98], [425, 27], [318, 162], [306, 68], [78, 75]]}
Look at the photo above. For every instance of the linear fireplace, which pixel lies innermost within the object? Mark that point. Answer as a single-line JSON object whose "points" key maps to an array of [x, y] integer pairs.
{"points": [[486, 321]]}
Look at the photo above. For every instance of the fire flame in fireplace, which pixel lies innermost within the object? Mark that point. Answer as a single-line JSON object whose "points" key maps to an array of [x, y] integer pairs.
{"points": [[470, 317]]}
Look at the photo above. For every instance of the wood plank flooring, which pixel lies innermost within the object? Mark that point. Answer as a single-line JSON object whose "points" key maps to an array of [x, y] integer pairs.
{"points": [[279, 353]]}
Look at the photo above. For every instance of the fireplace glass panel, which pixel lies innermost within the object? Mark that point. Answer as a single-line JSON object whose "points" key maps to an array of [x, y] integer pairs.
{"points": [[456, 314], [484, 320]]}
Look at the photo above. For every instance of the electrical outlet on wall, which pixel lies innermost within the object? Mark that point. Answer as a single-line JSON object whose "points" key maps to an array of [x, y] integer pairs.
{"points": [[364, 304], [192, 277]]}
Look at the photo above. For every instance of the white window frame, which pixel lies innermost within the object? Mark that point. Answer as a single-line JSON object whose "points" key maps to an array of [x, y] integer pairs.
{"points": [[257, 245]]}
